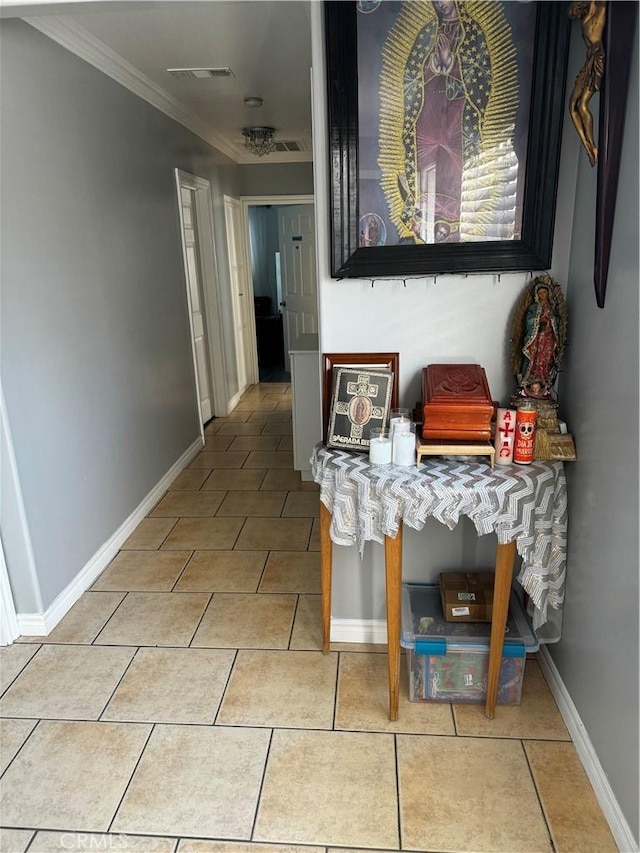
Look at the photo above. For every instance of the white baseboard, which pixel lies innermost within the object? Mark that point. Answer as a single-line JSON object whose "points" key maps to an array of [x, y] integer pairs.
{"points": [[41, 624], [358, 631], [618, 824]]}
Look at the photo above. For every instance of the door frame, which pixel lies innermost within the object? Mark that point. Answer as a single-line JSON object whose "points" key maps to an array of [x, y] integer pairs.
{"points": [[247, 201], [214, 329]]}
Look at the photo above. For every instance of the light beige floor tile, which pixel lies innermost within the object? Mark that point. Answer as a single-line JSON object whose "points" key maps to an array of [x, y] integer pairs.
{"points": [[363, 700], [189, 480], [255, 442], [284, 406], [86, 619], [291, 571], [537, 716], [271, 397], [307, 626], [13, 734], [213, 427], [271, 417], [196, 781], [280, 689], [285, 443], [137, 571], [79, 681], [218, 443], [52, 842], [149, 534], [329, 788], [221, 459], [275, 387], [203, 534], [13, 660], [572, 811], [223, 571], [278, 427], [449, 786], [278, 534], [269, 459], [255, 406], [246, 622], [314, 539], [199, 845], [234, 417], [283, 480], [83, 770], [305, 505], [252, 504], [239, 480], [241, 429], [15, 840], [155, 619], [188, 504], [172, 686]]}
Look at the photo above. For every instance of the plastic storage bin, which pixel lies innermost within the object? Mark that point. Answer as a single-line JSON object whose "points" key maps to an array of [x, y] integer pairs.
{"points": [[448, 661]]}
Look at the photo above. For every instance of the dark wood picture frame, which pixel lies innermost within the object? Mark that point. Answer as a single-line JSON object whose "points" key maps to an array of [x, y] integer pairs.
{"points": [[388, 360], [533, 251]]}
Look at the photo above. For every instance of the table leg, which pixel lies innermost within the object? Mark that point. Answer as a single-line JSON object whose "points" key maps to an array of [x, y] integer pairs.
{"points": [[393, 572], [505, 555], [326, 562]]}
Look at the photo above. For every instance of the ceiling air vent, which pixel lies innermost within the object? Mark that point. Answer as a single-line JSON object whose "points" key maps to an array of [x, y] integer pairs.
{"points": [[200, 73], [292, 145]]}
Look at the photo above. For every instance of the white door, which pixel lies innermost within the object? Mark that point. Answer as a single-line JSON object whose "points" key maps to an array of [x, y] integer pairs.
{"points": [[193, 270], [241, 294], [298, 269]]}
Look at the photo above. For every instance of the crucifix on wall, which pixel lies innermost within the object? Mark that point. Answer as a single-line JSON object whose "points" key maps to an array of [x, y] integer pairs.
{"points": [[608, 29]]}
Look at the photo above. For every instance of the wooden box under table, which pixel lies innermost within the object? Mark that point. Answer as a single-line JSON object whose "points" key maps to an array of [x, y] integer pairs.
{"points": [[456, 403]]}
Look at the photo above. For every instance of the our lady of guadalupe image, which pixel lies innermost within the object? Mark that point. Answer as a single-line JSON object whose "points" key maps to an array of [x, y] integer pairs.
{"points": [[448, 96]]}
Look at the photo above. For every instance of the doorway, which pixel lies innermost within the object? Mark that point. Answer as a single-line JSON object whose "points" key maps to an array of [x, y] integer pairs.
{"points": [[201, 277], [280, 234]]}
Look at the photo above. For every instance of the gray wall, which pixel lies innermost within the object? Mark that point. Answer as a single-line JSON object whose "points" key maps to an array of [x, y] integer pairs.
{"points": [[598, 655], [277, 179], [96, 362]]}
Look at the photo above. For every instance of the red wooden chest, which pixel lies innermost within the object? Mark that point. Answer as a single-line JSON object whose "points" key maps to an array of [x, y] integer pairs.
{"points": [[456, 402]]}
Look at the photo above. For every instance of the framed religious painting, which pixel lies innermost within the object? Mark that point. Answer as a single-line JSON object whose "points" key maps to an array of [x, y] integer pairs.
{"points": [[445, 120], [358, 390]]}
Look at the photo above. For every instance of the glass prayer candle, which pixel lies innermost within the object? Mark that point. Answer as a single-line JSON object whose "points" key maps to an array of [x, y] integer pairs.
{"points": [[404, 443], [379, 446]]}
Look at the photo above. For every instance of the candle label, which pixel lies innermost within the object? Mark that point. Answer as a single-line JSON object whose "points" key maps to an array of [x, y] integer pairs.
{"points": [[505, 436], [525, 435]]}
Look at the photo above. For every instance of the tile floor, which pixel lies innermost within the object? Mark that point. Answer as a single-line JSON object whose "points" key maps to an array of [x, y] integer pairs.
{"points": [[183, 705]]}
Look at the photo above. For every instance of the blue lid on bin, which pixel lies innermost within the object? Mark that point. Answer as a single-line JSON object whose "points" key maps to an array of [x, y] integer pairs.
{"points": [[425, 630]]}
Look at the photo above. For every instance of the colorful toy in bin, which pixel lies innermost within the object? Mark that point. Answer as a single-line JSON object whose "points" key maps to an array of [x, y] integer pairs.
{"points": [[448, 662]]}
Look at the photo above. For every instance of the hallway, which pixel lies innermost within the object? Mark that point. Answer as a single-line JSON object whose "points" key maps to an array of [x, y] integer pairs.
{"points": [[183, 704]]}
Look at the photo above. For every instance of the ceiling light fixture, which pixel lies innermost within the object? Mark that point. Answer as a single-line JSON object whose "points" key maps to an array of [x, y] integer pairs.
{"points": [[259, 140], [253, 101]]}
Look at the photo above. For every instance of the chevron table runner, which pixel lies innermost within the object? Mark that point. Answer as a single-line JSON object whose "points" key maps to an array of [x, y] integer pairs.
{"points": [[527, 503]]}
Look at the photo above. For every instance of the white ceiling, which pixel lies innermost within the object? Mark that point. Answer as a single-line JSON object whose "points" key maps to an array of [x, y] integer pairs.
{"points": [[267, 43]]}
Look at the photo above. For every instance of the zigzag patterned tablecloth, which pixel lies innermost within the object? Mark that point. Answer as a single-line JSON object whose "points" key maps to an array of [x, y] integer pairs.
{"points": [[527, 503]]}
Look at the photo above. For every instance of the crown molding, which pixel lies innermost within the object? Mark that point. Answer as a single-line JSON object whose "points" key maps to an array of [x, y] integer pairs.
{"points": [[79, 41]]}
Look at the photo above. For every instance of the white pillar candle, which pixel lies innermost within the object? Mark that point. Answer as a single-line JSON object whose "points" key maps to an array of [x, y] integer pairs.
{"points": [[380, 450], [505, 435], [404, 445]]}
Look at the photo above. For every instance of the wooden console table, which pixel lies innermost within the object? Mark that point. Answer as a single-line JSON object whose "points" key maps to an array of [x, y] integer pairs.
{"points": [[525, 506]]}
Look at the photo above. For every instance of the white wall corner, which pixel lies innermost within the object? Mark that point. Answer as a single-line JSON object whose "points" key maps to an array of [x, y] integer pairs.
{"points": [[41, 624], [618, 824]]}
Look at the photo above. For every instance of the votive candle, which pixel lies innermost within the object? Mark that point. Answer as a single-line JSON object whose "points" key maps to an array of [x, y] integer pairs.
{"points": [[379, 446]]}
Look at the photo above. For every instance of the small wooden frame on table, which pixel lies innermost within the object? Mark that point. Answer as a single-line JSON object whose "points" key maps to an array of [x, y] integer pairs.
{"points": [[364, 361]]}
